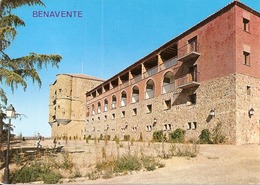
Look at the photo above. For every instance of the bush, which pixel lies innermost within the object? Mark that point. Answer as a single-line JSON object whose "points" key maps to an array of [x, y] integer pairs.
{"points": [[107, 137], [35, 172], [158, 136], [204, 137], [141, 139], [126, 137], [217, 136], [177, 136], [127, 163]]}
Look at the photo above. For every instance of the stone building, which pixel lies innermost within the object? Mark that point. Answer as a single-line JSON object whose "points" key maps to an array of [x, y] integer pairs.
{"points": [[208, 75], [67, 106]]}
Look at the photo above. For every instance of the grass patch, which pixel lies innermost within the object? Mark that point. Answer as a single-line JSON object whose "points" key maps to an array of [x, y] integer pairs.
{"points": [[35, 172]]}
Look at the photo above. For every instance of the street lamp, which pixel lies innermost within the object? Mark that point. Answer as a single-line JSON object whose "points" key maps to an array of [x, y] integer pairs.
{"points": [[10, 113]]}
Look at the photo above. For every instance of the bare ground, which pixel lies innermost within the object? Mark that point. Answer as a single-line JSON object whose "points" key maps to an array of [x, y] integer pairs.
{"points": [[217, 164]]}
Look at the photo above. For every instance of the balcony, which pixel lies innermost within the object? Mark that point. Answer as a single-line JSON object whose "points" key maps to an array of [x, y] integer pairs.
{"points": [[166, 88], [169, 63], [189, 52], [113, 105], [136, 79], [123, 102], [151, 72], [135, 98], [149, 93], [187, 81]]}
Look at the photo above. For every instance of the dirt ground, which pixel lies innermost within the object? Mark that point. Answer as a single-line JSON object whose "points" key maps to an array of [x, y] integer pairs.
{"points": [[214, 164]]}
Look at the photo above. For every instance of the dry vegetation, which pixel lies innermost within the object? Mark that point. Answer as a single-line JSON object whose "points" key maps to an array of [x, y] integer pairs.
{"points": [[117, 162]]}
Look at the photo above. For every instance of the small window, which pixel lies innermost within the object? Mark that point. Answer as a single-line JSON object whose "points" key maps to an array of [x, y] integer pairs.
{"points": [[169, 127], [167, 104], [189, 126], [246, 24], [149, 108], [194, 126], [123, 114], [149, 128], [134, 112], [165, 127], [248, 90], [246, 58], [193, 98], [105, 117], [113, 116]]}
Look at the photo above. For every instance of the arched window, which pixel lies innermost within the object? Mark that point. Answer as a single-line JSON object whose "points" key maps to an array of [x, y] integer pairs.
{"points": [[99, 108], [123, 98], [135, 94], [105, 105], [149, 91], [113, 102], [93, 109], [168, 83]]}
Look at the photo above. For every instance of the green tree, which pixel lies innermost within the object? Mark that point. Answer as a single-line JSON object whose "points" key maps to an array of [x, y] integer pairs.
{"points": [[15, 71]]}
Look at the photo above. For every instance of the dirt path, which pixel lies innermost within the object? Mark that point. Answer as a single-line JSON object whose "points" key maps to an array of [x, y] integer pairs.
{"points": [[218, 164], [215, 164]]}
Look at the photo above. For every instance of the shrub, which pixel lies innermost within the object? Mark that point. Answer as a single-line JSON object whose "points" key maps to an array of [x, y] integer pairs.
{"points": [[107, 137], [35, 172], [204, 137], [141, 137], [127, 163], [101, 137], [149, 163], [217, 136], [158, 136], [126, 137], [177, 136], [116, 139]]}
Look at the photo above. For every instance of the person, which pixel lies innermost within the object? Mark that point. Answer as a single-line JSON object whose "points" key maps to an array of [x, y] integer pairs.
{"points": [[39, 143], [55, 142]]}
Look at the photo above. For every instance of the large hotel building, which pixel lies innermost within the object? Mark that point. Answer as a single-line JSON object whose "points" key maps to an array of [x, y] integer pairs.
{"points": [[209, 75]]}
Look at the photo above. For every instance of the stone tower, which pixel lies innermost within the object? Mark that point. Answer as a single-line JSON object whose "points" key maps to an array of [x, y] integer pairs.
{"points": [[67, 106]]}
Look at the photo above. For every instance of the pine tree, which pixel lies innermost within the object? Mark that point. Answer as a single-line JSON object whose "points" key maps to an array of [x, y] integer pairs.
{"points": [[15, 71]]}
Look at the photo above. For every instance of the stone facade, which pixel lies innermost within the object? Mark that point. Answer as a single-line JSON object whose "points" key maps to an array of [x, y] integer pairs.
{"points": [[67, 106], [206, 76]]}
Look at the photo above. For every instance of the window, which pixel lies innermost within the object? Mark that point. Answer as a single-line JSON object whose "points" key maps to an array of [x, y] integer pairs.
{"points": [[123, 114], [194, 126], [105, 117], [189, 126], [149, 108], [246, 25], [113, 116], [248, 90], [134, 112], [149, 128], [246, 58], [167, 127], [193, 98], [167, 104]]}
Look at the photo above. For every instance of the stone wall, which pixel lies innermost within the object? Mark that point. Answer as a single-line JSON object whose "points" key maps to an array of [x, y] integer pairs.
{"points": [[218, 94], [247, 97], [68, 104]]}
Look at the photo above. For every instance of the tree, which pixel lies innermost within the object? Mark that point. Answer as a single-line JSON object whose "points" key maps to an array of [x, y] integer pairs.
{"points": [[15, 71]]}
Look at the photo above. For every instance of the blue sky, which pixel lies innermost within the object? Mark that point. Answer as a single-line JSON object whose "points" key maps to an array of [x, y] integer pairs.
{"points": [[110, 36]]}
